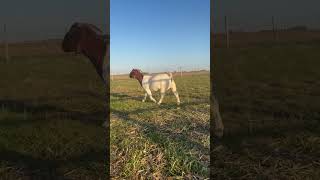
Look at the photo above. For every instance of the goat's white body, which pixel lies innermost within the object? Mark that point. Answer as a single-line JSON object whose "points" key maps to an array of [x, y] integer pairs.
{"points": [[162, 82], [156, 82]]}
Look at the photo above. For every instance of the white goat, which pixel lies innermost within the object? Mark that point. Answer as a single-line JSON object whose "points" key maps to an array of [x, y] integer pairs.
{"points": [[162, 82]]}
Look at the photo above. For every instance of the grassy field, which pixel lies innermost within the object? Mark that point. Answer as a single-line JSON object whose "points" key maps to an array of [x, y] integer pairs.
{"points": [[52, 107], [270, 103], [51, 112], [163, 141]]}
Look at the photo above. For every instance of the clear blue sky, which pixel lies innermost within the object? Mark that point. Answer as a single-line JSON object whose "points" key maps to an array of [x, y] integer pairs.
{"points": [[159, 35]]}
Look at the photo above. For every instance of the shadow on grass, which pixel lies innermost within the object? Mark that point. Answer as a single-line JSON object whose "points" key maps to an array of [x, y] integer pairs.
{"points": [[36, 168], [41, 112], [168, 106], [238, 139], [26, 112], [89, 94], [162, 135], [124, 97], [164, 131]]}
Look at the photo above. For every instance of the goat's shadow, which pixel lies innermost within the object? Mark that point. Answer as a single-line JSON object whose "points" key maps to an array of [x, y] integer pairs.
{"points": [[124, 97], [91, 94], [37, 168], [30, 112], [165, 133], [40, 112], [239, 139]]}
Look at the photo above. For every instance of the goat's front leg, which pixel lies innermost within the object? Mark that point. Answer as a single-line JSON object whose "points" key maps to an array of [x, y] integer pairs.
{"points": [[217, 118], [150, 95], [177, 97], [161, 98], [175, 92], [145, 97]]}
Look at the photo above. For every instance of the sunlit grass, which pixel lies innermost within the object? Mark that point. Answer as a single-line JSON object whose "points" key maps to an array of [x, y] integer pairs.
{"points": [[163, 141]]}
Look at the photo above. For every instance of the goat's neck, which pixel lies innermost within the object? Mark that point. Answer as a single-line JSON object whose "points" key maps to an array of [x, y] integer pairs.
{"points": [[95, 54], [139, 77]]}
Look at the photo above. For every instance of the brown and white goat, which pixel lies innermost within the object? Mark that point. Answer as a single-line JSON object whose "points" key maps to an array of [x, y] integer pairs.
{"points": [[89, 40], [155, 82]]}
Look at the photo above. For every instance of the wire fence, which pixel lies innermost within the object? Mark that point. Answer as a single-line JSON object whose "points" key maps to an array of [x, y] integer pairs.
{"points": [[231, 32], [179, 72]]}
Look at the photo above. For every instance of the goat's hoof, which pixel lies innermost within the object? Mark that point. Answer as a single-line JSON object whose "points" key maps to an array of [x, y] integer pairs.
{"points": [[143, 100], [158, 103]]}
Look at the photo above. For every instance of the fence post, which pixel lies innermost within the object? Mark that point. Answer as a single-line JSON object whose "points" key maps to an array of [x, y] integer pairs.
{"points": [[273, 29], [6, 48], [226, 31]]}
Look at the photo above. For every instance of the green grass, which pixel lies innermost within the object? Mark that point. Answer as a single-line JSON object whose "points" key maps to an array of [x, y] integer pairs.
{"points": [[51, 112], [269, 101], [163, 141]]}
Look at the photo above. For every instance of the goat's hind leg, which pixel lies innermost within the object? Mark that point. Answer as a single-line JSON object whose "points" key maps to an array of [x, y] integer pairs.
{"points": [[161, 98]]}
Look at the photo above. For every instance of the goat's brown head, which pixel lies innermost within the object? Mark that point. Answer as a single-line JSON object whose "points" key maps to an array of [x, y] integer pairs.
{"points": [[71, 41], [134, 73]]}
